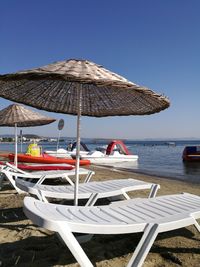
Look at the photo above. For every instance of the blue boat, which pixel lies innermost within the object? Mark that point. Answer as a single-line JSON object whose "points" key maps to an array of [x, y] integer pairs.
{"points": [[191, 153]]}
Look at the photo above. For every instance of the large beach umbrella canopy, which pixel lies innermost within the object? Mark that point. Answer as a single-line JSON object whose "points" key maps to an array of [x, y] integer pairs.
{"points": [[80, 87], [18, 115]]}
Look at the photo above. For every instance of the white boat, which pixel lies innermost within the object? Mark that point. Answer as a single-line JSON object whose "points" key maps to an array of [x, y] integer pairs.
{"points": [[116, 152], [96, 157], [63, 153], [70, 152], [60, 153]]}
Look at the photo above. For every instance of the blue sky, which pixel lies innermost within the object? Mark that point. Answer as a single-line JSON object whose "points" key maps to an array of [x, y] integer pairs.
{"points": [[152, 43]]}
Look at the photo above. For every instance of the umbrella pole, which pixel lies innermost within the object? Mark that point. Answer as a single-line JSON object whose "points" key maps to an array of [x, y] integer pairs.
{"points": [[21, 139], [58, 141], [78, 145], [15, 160]]}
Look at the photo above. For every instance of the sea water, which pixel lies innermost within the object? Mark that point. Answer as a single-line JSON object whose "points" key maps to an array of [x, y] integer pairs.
{"points": [[160, 158]]}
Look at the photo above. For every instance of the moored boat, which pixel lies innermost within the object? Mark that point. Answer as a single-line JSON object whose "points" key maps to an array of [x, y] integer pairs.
{"points": [[69, 152], [191, 153], [116, 151], [46, 159]]}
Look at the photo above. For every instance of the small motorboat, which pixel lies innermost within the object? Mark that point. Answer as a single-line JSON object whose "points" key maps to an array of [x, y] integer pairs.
{"points": [[191, 153], [69, 152], [116, 151], [45, 159]]}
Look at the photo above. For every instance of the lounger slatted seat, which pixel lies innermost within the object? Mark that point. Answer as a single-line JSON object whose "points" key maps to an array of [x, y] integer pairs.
{"points": [[91, 191], [150, 216]]}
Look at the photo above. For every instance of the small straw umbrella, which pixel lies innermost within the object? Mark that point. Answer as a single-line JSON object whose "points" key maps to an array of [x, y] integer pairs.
{"points": [[18, 115], [80, 87]]}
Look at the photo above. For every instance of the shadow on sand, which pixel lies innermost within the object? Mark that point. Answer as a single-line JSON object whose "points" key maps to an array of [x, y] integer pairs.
{"points": [[40, 248]]}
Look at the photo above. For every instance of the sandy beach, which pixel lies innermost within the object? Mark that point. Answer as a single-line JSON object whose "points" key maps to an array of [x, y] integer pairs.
{"points": [[24, 244]]}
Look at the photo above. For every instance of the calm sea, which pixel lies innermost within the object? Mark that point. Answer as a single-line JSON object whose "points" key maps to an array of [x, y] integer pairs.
{"points": [[158, 158]]}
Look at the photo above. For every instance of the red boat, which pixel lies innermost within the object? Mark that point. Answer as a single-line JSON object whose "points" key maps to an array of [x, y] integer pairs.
{"points": [[45, 159]]}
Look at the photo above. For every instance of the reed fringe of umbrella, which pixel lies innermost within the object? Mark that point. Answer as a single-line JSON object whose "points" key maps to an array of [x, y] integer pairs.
{"points": [[23, 117], [104, 93], [16, 115]]}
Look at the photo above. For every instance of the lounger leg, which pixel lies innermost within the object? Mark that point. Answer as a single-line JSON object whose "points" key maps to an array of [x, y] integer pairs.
{"points": [[66, 177], [41, 196], [144, 246], [12, 181], [88, 177], [1, 179], [41, 180], [93, 198], [196, 224], [126, 196], [154, 190], [74, 246], [120, 197]]}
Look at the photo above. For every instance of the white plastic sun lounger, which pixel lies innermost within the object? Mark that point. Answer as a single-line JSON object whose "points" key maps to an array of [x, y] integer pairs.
{"points": [[52, 173], [150, 216], [91, 191], [11, 174]]}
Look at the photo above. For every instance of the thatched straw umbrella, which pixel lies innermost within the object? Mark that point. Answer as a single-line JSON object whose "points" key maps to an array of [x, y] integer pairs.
{"points": [[17, 115], [80, 87]]}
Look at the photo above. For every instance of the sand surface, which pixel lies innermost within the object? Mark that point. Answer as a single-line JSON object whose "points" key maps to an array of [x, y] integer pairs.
{"points": [[24, 244]]}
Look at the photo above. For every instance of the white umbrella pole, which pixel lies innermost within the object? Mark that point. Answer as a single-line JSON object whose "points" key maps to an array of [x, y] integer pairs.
{"points": [[58, 141], [15, 160], [78, 145], [21, 139]]}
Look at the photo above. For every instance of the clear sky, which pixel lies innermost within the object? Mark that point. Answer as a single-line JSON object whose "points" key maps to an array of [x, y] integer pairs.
{"points": [[152, 43]]}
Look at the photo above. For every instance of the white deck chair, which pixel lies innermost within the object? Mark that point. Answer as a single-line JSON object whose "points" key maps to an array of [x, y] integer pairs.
{"points": [[53, 173], [150, 216], [91, 191], [11, 174]]}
